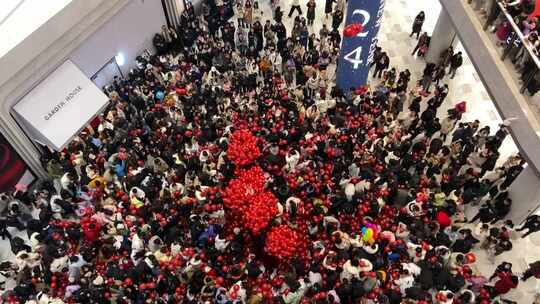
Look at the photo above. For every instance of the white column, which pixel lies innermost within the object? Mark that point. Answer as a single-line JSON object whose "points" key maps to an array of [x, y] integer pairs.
{"points": [[525, 195], [442, 37]]}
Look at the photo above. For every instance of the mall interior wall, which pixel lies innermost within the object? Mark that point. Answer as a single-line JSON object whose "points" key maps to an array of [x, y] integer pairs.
{"points": [[525, 192], [129, 32]]}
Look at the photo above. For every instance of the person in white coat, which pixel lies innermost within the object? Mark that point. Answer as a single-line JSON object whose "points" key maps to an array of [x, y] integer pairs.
{"points": [[292, 158], [405, 281], [221, 244], [295, 5], [351, 269], [137, 244], [350, 190], [292, 203], [447, 125], [59, 264], [26, 260]]}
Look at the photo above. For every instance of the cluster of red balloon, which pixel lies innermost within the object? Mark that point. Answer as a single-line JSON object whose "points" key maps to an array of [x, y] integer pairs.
{"points": [[484, 296], [150, 285], [361, 90], [243, 149], [248, 205], [248, 182], [246, 198], [262, 209], [266, 288], [58, 285], [283, 242], [233, 291]]}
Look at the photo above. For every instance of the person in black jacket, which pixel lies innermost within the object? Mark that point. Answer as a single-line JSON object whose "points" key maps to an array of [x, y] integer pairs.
{"points": [[427, 76], [337, 19], [382, 64], [533, 270], [417, 24], [455, 62], [328, 7], [532, 223], [485, 214]]}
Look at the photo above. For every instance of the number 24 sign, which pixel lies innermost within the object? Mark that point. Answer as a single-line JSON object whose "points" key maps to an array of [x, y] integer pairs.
{"points": [[358, 49], [355, 57]]}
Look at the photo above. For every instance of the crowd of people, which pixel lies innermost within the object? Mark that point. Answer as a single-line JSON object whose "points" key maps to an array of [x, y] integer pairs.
{"points": [[229, 168], [434, 72], [523, 14]]}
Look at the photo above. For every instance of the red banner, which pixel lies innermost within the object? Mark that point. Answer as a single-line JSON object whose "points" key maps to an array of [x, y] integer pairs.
{"points": [[13, 170], [536, 11]]}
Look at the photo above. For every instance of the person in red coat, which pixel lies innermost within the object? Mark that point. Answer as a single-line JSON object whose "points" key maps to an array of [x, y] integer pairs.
{"points": [[91, 231], [443, 219], [506, 282]]}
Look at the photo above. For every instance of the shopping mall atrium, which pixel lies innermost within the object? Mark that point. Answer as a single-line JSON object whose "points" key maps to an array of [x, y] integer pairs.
{"points": [[270, 151]]}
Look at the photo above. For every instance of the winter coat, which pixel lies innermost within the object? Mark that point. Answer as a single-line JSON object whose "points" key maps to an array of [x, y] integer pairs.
{"points": [[504, 284]]}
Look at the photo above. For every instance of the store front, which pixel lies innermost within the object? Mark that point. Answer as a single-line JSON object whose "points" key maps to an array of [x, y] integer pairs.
{"points": [[14, 172], [59, 107], [46, 92]]}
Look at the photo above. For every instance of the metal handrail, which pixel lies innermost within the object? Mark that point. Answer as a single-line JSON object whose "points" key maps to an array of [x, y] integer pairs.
{"points": [[517, 31]]}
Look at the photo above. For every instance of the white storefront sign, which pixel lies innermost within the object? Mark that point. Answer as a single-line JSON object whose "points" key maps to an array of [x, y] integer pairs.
{"points": [[60, 106]]}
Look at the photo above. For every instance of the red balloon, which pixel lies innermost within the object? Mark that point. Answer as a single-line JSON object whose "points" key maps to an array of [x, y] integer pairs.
{"points": [[181, 91], [353, 29]]}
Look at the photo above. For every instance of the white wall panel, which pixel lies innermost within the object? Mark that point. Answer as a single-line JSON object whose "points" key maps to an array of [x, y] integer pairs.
{"points": [[130, 31]]}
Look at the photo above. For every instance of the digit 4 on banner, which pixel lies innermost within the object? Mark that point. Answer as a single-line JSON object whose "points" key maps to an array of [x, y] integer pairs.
{"points": [[355, 57]]}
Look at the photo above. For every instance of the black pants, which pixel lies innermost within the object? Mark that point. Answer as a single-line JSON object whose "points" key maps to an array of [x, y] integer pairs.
{"points": [[484, 218], [528, 225], [293, 8], [378, 70], [527, 274], [3, 230], [528, 232], [417, 34], [311, 92], [416, 48]]}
